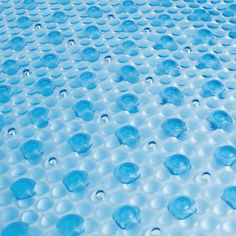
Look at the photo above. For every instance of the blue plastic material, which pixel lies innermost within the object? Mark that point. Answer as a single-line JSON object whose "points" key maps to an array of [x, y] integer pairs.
{"points": [[178, 164], [182, 207], [76, 181], [23, 188], [127, 173], [127, 216], [71, 225]]}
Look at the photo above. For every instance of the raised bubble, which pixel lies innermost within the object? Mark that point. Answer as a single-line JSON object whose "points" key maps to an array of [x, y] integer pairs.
{"points": [[24, 22], [45, 87], [182, 207], [129, 26], [32, 150], [225, 155], [178, 164], [128, 73], [94, 12], [128, 102], [17, 43], [213, 88], [59, 17], [89, 54], [210, 61], [80, 143], [171, 95], [30, 4], [50, 60], [174, 127], [84, 109], [10, 67], [88, 80], [23, 188], [39, 117], [127, 216], [127, 173], [71, 225], [76, 181], [5, 93], [229, 196], [165, 42], [55, 37], [92, 31], [128, 135], [168, 67], [220, 120], [18, 228]]}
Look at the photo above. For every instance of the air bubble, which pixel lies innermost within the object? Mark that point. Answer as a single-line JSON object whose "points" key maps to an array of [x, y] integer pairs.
{"points": [[188, 49], [147, 30], [149, 80], [63, 93], [11, 132], [108, 58], [105, 118], [206, 177], [100, 195], [26, 72], [71, 42], [152, 146], [38, 26], [111, 17], [156, 231], [52, 161], [195, 102]]}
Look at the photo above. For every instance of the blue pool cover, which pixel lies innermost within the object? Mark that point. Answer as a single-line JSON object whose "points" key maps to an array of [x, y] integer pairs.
{"points": [[117, 118]]}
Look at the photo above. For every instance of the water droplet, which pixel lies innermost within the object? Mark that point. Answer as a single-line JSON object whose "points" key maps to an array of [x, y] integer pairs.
{"points": [[52, 161], [11, 132], [108, 58], [38, 26], [206, 177], [63, 93], [105, 118], [188, 49], [152, 146], [111, 17], [195, 102], [71, 42], [149, 80], [147, 30], [100, 195], [26, 72], [156, 231]]}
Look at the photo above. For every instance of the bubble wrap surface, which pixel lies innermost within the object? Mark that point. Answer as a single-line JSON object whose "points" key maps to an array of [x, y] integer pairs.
{"points": [[117, 117]]}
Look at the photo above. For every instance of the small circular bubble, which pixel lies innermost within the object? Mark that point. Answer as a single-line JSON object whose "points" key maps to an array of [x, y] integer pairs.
{"points": [[52, 161], [63, 93], [147, 30], [152, 146], [71, 42], [149, 80], [188, 49], [156, 231], [108, 58], [195, 102], [11, 132], [100, 195], [26, 72], [111, 17], [105, 118], [38, 26], [206, 177]]}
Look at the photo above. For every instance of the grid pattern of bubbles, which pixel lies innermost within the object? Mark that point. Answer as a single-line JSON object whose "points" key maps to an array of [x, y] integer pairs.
{"points": [[117, 117]]}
